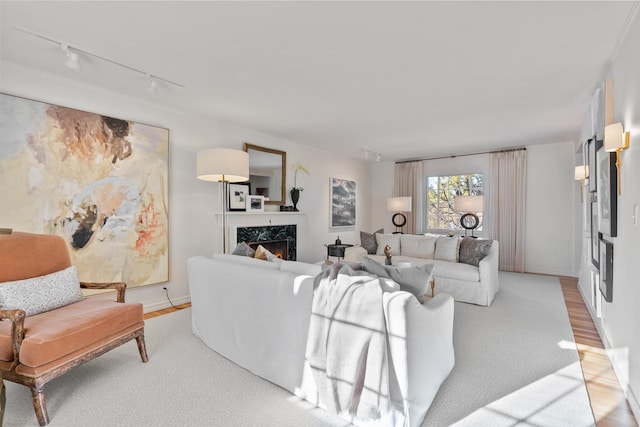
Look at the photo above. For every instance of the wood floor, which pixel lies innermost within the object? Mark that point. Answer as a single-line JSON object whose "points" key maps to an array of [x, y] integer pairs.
{"points": [[608, 402]]}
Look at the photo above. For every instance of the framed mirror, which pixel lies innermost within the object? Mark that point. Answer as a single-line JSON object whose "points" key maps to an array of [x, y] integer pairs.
{"points": [[267, 173]]}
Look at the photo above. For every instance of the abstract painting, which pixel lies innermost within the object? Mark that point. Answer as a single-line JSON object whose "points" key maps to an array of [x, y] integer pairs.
{"points": [[607, 193], [343, 203], [98, 182]]}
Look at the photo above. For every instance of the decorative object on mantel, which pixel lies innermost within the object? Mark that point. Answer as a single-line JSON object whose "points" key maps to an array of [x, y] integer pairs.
{"points": [[295, 190], [223, 165], [471, 205], [343, 203], [399, 205], [288, 209]]}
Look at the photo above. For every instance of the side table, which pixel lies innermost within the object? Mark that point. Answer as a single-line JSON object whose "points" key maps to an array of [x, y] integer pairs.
{"points": [[336, 250]]}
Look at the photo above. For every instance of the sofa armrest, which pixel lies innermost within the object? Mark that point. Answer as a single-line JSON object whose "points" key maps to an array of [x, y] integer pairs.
{"points": [[16, 317], [421, 346], [488, 270], [120, 287], [354, 253]]}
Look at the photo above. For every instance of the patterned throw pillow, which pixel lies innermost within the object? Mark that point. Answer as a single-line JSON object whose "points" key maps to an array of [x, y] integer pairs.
{"points": [[43, 293], [244, 250], [447, 249], [472, 251], [411, 279], [368, 241]]}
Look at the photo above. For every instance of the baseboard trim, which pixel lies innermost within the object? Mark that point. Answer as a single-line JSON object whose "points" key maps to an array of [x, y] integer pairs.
{"points": [[148, 308]]}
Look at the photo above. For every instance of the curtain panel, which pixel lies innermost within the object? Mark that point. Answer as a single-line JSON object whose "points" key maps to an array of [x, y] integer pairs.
{"points": [[507, 206], [408, 181]]}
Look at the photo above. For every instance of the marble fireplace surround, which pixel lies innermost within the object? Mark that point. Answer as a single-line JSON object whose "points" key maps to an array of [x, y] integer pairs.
{"points": [[266, 226]]}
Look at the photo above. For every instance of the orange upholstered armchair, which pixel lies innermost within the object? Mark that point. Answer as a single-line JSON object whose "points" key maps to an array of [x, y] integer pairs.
{"points": [[51, 327]]}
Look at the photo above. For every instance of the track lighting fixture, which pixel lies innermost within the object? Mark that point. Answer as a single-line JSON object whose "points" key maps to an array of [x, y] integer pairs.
{"points": [[367, 154], [73, 60]]}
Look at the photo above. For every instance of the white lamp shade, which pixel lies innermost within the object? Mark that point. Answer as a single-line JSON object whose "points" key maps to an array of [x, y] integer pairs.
{"points": [[222, 164], [581, 172], [399, 204], [613, 137], [468, 203]]}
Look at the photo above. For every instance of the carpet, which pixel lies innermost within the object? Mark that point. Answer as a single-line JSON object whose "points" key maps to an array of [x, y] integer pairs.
{"points": [[516, 364]]}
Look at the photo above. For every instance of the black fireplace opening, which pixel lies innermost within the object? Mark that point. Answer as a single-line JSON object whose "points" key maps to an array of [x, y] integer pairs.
{"points": [[280, 240]]}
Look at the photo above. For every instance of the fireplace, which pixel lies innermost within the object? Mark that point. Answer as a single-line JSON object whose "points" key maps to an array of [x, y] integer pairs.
{"points": [[280, 240]]}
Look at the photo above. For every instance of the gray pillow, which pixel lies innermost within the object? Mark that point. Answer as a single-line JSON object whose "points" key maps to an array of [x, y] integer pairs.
{"points": [[368, 241], [411, 279], [472, 251], [244, 250]]}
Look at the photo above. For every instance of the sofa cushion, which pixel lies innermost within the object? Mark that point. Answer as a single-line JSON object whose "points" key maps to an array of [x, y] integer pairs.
{"points": [[42, 293], [54, 334], [417, 246], [447, 249], [298, 267], [393, 240], [472, 251], [456, 271], [411, 279], [368, 241], [244, 250], [247, 261]]}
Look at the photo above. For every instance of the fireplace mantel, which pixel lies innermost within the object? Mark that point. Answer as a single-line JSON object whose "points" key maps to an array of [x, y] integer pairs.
{"points": [[262, 219]]}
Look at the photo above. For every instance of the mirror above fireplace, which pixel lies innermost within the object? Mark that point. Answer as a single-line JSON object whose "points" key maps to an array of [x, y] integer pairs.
{"points": [[267, 173]]}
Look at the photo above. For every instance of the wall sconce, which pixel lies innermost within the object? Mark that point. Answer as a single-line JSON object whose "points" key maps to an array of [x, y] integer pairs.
{"points": [[581, 173], [399, 204], [471, 205], [616, 139]]}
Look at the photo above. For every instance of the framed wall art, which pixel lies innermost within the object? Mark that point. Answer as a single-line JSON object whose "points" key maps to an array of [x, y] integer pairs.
{"points": [[255, 203], [606, 270], [607, 193], [595, 252], [593, 145], [238, 196], [343, 203], [97, 181]]}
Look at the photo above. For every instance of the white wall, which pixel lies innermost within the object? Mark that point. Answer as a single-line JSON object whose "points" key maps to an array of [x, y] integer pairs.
{"points": [[552, 192], [192, 203], [619, 322], [550, 244]]}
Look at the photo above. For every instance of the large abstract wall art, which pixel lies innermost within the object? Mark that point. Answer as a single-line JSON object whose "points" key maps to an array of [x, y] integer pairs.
{"points": [[98, 182]]}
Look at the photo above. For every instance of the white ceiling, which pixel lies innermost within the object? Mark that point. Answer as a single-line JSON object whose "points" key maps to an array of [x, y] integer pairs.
{"points": [[403, 79]]}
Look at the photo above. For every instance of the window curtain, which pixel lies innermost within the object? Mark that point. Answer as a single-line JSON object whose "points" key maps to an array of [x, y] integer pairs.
{"points": [[408, 181], [507, 206]]}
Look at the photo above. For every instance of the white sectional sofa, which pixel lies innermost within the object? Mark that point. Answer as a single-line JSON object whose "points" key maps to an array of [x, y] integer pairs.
{"points": [[451, 275], [257, 313]]}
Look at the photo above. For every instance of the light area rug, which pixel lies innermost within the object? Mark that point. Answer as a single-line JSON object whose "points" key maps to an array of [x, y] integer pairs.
{"points": [[516, 364]]}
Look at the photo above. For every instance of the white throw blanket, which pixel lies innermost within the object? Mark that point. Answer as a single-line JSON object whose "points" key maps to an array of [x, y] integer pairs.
{"points": [[347, 348]]}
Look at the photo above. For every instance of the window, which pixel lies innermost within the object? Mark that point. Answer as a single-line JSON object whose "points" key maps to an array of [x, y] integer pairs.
{"points": [[441, 193]]}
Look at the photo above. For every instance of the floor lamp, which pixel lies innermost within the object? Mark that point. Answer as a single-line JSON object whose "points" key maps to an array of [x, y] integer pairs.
{"points": [[224, 165]]}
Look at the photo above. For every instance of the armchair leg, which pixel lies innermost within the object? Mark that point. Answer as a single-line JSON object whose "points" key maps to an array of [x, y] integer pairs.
{"points": [[40, 406], [142, 348]]}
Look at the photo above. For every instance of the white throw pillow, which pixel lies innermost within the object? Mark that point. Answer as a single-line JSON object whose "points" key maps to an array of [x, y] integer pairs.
{"points": [[393, 240], [417, 246], [43, 293], [447, 249]]}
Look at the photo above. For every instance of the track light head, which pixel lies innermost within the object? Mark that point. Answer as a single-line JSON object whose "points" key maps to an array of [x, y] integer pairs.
{"points": [[72, 60], [153, 85], [378, 157]]}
